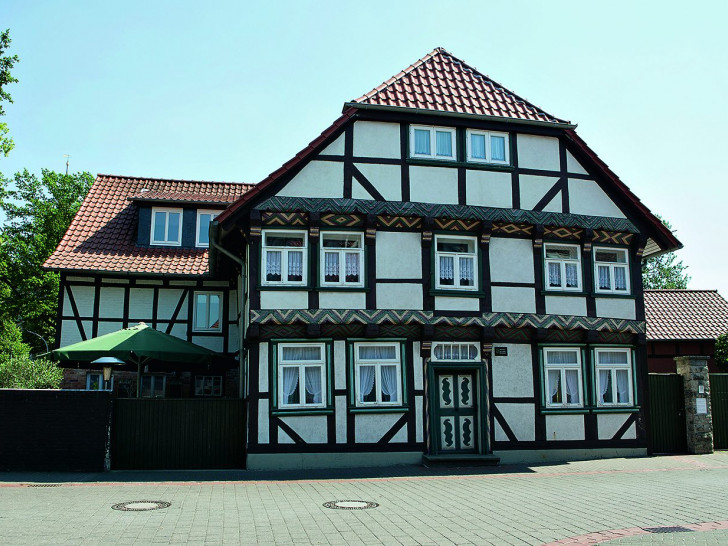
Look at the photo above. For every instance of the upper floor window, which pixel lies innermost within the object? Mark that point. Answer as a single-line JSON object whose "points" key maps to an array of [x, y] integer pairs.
{"points": [[614, 377], [611, 270], [432, 142], [562, 377], [204, 217], [458, 352], [488, 147], [285, 257], [342, 256], [378, 374], [166, 226], [207, 312], [301, 375], [563, 267], [456, 262]]}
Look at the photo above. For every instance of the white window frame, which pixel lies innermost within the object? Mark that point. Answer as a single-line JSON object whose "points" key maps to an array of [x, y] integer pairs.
{"points": [[378, 364], [284, 250], [301, 365], [456, 263], [488, 154], [433, 142], [101, 381], [612, 266], [342, 259], [155, 378], [166, 241], [200, 212], [216, 388], [207, 293], [451, 344], [562, 368], [612, 369], [562, 265]]}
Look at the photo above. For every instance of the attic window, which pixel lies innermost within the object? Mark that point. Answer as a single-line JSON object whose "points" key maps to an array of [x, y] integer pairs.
{"points": [[432, 142], [166, 227], [204, 217], [488, 147]]}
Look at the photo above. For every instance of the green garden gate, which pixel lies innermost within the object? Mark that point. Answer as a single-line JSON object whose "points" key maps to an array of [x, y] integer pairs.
{"points": [[667, 413], [719, 408], [167, 434]]}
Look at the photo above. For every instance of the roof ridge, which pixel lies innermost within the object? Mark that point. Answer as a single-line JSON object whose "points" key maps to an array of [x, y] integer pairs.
{"points": [[681, 290], [156, 179]]}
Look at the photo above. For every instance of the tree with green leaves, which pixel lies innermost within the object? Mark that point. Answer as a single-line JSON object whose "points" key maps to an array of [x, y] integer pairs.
{"points": [[721, 351], [37, 213], [18, 370], [664, 271], [6, 64]]}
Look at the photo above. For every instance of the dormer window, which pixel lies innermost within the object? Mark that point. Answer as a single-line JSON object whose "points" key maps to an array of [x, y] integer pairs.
{"points": [[166, 227], [204, 217], [432, 143]]}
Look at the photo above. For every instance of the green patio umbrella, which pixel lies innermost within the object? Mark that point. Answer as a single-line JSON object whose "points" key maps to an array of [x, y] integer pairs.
{"points": [[137, 345]]}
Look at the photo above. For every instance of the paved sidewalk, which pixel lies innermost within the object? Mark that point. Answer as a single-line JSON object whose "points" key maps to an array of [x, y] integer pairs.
{"points": [[505, 505]]}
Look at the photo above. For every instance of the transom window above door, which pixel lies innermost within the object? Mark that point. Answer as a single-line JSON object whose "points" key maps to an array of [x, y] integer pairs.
{"points": [[285, 258], [433, 142], [456, 266], [562, 265], [342, 257], [611, 270], [488, 147], [166, 227], [457, 352]]}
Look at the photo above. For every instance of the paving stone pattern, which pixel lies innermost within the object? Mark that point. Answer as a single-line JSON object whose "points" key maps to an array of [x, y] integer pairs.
{"points": [[506, 505]]}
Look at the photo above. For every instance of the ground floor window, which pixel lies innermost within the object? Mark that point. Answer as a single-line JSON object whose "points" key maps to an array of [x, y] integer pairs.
{"points": [[208, 385], [378, 374], [153, 386], [563, 377], [95, 382], [613, 376], [302, 375]]}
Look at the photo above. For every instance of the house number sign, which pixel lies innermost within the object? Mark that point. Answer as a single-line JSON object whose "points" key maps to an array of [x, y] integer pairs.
{"points": [[501, 351]]}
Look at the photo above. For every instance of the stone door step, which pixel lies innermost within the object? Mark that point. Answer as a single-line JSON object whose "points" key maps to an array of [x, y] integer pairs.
{"points": [[460, 460]]}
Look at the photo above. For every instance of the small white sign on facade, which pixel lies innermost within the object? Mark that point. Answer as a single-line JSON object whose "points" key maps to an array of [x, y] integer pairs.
{"points": [[701, 405]]}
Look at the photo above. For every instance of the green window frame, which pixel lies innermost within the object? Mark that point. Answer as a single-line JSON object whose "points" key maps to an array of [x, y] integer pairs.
{"points": [[607, 378], [379, 383], [275, 375], [555, 390]]}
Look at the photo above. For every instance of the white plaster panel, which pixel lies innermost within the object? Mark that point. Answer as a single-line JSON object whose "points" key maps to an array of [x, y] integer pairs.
{"points": [[521, 419], [284, 438], [419, 419], [178, 330], [400, 437], [335, 148], [500, 435], [108, 327], [513, 374], [84, 298], [399, 296], [586, 197], [146, 282], [511, 260], [434, 185], [565, 305], [317, 179], [263, 433], [83, 279], [376, 139], [538, 152], [513, 300], [489, 189], [168, 299], [311, 428], [564, 427], [183, 283], [370, 427], [339, 364], [446, 303], [69, 333], [215, 284], [233, 338], [609, 423], [233, 305], [111, 303], [263, 360], [283, 299], [214, 343], [572, 165], [141, 302], [399, 255], [387, 179], [630, 433], [342, 300], [418, 365], [341, 405], [534, 188], [616, 308], [358, 191]]}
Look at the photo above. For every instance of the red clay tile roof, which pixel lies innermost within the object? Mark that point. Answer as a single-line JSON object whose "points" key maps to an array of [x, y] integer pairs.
{"points": [[102, 236], [442, 82], [685, 314], [187, 197]]}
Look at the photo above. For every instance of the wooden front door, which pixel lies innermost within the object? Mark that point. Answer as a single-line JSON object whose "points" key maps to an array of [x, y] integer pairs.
{"points": [[456, 406]]}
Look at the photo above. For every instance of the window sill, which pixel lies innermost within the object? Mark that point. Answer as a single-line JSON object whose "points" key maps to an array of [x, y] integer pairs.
{"points": [[611, 295], [457, 293], [564, 293], [302, 411], [284, 287], [564, 411], [467, 164], [379, 409], [342, 289], [617, 409]]}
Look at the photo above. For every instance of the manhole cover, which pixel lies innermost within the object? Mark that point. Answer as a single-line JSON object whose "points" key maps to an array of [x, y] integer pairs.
{"points": [[44, 485], [140, 506], [667, 529], [350, 505]]}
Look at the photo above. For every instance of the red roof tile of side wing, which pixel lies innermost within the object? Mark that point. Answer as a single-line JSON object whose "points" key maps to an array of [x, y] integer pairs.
{"points": [[685, 314], [101, 237]]}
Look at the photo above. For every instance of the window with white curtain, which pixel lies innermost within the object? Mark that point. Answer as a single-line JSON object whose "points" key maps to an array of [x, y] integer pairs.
{"points": [[166, 227], [457, 352], [563, 377], [285, 257], [488, 147], [207, 312], [562, 265], [302, 375], [433, 142], [613, 371], [378, 374], [456, 264], [611, 270], [204, 217], [342, 258]]}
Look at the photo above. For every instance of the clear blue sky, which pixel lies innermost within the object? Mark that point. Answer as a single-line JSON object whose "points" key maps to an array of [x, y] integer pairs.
{"points": [[231, 90]]}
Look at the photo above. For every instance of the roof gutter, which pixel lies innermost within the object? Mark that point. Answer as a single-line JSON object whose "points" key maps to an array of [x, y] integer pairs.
{"points": [[439, 113]]}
